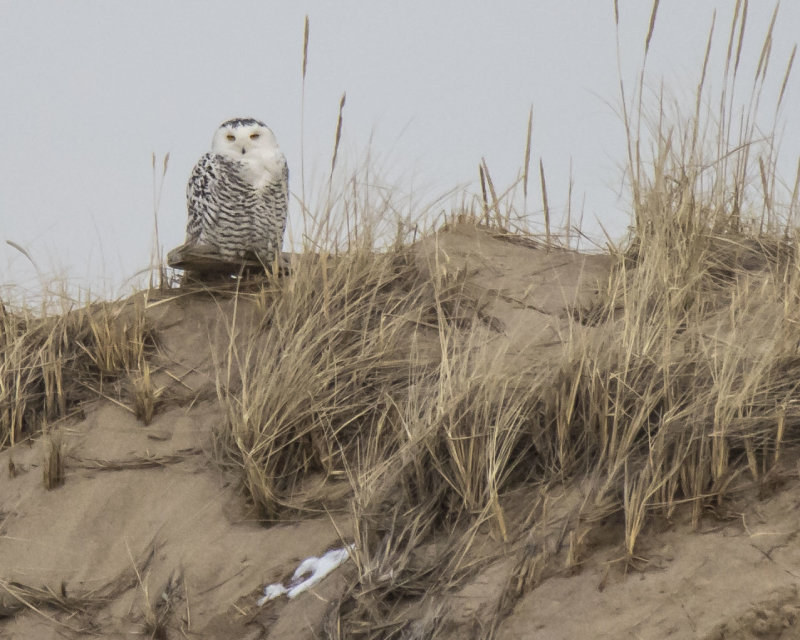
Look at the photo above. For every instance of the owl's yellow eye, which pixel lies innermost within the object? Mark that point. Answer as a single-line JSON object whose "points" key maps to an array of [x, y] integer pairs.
{"points": [[231, 137], [255, 136]]}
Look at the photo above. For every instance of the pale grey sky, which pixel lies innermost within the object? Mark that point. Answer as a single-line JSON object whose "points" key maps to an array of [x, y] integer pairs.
{"points": [[91, 88]]}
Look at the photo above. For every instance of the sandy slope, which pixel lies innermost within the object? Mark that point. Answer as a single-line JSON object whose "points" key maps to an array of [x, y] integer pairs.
{"points": [[150, 501], [734, 578]]}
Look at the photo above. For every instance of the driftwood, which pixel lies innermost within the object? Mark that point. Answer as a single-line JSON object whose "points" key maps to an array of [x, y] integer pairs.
{"points": [[202, 263]]}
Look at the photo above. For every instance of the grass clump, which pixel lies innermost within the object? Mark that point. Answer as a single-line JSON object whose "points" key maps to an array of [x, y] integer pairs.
{"points": [[49, 362], [146, 395], [344, 339]]}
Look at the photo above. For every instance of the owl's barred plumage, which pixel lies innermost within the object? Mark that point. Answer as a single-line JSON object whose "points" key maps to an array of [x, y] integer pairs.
{"points": [[238, 194]]}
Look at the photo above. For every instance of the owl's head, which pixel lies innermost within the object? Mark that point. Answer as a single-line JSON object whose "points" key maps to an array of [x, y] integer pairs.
{"points": [[240, 137]]}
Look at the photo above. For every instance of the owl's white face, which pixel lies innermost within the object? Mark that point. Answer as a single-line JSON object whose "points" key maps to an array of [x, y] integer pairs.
{"points": [[243, 138]]}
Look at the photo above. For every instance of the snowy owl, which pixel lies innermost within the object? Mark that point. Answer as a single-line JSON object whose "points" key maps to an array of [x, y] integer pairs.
{"points": [[238, 194]]}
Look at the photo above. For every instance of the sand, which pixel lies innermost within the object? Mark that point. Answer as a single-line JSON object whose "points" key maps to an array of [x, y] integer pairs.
{"points": [[147, 522]]}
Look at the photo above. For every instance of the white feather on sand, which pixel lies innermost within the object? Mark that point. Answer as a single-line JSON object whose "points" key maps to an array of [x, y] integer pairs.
{"points": [[315, 568]]}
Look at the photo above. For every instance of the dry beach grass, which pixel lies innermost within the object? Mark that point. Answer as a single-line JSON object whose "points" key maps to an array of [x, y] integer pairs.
{"points": [[455, 416]]}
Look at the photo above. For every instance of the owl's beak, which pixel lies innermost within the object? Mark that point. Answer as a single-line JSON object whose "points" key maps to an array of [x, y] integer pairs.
{"points": [[243, 150]]}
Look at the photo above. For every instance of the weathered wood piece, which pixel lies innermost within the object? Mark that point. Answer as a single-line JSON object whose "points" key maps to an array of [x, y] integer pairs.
{"points": [[203, 263]]}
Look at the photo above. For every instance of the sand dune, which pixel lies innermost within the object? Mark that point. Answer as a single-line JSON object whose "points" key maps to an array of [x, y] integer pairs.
{"points": [[151, 534]]}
